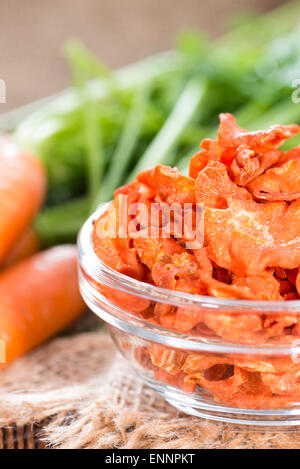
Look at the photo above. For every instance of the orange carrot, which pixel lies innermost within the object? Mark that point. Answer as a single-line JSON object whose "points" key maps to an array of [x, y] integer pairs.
{"points": [[27, 245], [22, 190], [38, 298]]}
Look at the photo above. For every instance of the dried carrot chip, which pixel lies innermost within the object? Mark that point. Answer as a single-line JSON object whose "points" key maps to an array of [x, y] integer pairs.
{"points": [[169, 184], [116, 252], [248, 154], [135, 191], [125, 301], [149, 250], [235, 327], [214, 188], [166, 358], [196, 362], [173, 380], [199, 161], [285, 384], [231, 136], [276, 323], [221, 379], [263, 286], [181, 274], [186, 319], [281, 182], [248, 237], [247, 165], [141, 355]]}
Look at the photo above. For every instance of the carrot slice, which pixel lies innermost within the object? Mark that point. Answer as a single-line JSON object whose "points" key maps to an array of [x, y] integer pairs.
{"points": [[280, 182], [170, 185], [246, 154], [231, 136], [22, 190], [38, 298], [214, 188]]}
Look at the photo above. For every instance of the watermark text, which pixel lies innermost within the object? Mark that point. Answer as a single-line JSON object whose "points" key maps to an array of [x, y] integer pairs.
{"points": [[153, 220], [296, 93]]}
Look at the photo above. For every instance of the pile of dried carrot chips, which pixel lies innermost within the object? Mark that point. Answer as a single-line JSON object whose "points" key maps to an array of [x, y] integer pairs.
{"points": [[249, 193]]}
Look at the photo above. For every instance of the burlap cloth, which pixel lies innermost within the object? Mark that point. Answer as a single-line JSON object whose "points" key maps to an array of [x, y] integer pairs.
{"points": [[78, 392]]}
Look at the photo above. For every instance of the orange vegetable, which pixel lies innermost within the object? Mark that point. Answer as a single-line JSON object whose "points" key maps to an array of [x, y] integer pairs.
{"points": [[38, 298], [248, 237], [27, 245], [22, 190], [246, 154], [170, 185], [282, 182]]}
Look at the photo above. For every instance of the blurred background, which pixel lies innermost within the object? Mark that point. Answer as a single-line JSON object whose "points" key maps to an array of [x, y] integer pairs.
{"points": [[118, 31]]}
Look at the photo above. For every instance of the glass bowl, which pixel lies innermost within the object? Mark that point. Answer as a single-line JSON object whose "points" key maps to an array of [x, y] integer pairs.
{"points": [[235, 361]]}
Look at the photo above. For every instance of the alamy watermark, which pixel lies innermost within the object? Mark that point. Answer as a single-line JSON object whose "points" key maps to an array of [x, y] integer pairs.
{"points": [[296, 93], [2, 91], [153, 220]]}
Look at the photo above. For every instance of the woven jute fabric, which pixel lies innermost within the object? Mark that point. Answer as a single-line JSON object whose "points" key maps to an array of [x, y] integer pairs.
{"points": [[78, 392]]}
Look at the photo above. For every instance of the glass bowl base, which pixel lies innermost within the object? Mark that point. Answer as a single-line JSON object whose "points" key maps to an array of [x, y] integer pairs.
{"points": [[196, 405]]}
